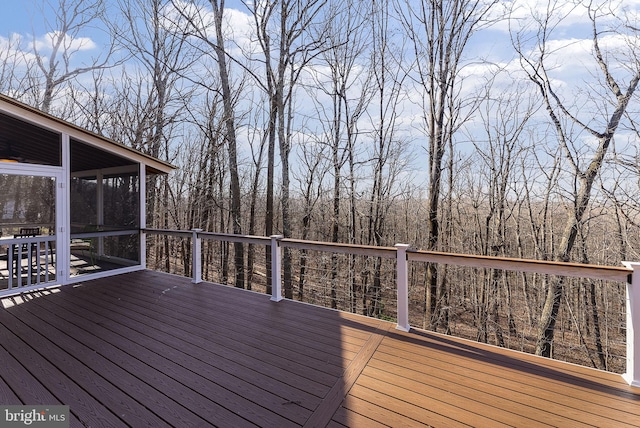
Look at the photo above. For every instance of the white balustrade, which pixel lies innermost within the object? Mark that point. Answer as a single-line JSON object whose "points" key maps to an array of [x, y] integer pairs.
{"points": [[632, 375], [402, 287], [276, 268], [196, 243]]}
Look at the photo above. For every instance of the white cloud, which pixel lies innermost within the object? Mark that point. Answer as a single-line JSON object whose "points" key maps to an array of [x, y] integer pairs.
{"points": [[238, 27], [12, 52], [566, 17], [238, 24], [46, 42]]}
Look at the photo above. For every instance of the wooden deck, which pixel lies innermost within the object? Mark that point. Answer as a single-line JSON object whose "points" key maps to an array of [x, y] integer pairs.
{"points": [[151, 349]]}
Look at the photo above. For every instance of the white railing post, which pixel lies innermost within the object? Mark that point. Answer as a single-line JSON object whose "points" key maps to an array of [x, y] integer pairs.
{"points": [[276, 268], [632, 375], [403, 287], [142, 203], [196, 256]]}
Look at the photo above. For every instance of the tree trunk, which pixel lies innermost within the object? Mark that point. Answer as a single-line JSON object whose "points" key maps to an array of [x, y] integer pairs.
{"points": [[230, 137], [584, 178]]}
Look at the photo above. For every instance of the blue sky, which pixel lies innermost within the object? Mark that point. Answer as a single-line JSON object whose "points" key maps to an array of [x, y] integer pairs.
{"points": [[25, 16], [20, 17]]}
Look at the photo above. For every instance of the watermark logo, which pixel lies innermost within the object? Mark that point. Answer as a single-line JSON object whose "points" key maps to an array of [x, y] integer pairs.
{"points": [[34, 416]]}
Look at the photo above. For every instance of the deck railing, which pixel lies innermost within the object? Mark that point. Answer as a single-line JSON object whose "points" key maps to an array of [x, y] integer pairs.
{"points": [[403, 254], [27, 263]]}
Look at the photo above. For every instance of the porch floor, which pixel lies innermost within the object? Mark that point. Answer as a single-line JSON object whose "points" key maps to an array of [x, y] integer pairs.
{"points": [[152, 349]]}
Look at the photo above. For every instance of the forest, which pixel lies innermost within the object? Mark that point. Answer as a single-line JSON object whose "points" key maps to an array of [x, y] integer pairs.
{"points": [[498, 128]]}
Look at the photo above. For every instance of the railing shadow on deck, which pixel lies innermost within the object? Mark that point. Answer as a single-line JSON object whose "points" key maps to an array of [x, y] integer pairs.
{"points": [[403, 255]]}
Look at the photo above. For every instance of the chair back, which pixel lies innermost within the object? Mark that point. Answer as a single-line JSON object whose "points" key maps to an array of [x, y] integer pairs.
{"points": [[28, 231]]}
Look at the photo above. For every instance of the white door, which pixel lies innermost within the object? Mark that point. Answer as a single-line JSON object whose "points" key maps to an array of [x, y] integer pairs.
{"points": [[32, 236]]}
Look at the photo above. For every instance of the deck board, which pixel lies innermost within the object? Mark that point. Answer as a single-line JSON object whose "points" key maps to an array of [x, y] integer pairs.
{"points": [[246, 349], [324, 413], [253, 329], [151, 349], [84, 344], [344, 417], [259, 318], [545, 383], [79, 374], [215, 382], [19, 385], [7, 395], [53, 380], [546, 403], [182, 373]]}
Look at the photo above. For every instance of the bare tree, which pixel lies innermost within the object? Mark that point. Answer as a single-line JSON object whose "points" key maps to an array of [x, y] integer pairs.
{"points": [[16, 74], [162, 51], [439, 32], [70, 19], [286, 37], [505, 117], [312, 171], [230, 137], [348, 88], [385, 155], [209, 30], [258, 142], [612, 104]]}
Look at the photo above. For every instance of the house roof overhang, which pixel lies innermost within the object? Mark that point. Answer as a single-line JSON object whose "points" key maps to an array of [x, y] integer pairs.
{"points": [[111, 152]]}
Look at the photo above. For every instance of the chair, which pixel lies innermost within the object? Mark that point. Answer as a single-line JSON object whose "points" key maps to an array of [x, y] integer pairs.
{"points": [[29, 231], [26, 248], [82, 245]]}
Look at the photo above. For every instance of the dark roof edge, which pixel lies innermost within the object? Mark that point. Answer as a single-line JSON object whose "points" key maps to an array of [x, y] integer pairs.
{"points": [[153, 164]]}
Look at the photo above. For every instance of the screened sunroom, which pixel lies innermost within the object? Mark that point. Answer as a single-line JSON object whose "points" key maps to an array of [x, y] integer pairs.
{"points": [[72, 203]]}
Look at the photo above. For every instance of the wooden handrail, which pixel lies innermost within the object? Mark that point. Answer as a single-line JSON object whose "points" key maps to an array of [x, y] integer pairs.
{"points": [[607, 273], [578, 270], [211, 236], [170, 232], [103, 233], [245, 239], [334, 247]]}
